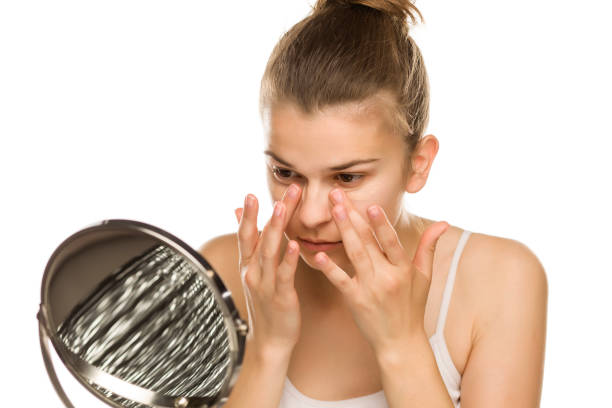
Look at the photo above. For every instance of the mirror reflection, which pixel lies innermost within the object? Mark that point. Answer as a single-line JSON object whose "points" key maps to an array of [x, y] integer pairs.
{"points": [[139, 321]]}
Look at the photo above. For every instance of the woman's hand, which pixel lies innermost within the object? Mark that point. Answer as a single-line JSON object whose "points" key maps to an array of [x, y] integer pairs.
{"points": [[388, 292], [273, 307]]}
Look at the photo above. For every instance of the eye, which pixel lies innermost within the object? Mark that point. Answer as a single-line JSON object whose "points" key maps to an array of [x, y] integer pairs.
{"points": [[351, 177], [285, 174], [281, 174]]}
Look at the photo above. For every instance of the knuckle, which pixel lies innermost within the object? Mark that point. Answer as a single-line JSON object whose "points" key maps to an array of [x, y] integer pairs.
{"points": [[250, 279], [289, 298], [245, 234], [282, 268], [345, 285], [245, 252], [267, 292], [360, 302], [284, 272], [359, 255], [283, 276], [389, 241], [268, 253], [391, 283], [403, 259]]}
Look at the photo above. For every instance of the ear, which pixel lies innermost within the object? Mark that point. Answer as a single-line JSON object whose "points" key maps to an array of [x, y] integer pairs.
{"points": [[422, 159]]}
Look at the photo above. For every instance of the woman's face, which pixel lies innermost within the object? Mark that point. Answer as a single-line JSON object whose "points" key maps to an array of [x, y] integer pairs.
{"points": [[316, 152]]}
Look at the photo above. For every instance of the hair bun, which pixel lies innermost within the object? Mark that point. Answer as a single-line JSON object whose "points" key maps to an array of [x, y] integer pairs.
{"points": [[397, 8]]}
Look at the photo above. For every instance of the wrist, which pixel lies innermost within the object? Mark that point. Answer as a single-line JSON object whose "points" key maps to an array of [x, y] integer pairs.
{"points": [[267, 354], [403, 352]]}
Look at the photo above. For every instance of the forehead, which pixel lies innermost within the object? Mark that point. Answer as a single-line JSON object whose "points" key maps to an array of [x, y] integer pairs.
{"points": [[332, 135]]}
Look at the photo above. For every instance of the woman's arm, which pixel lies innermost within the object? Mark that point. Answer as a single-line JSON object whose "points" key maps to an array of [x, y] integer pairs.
{"points": [[505, 366], [411, 377], [260, 382], [261, 377], [506, 363]]}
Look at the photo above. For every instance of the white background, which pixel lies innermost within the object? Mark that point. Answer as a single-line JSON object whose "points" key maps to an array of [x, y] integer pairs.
{"points": [[147, 110]]}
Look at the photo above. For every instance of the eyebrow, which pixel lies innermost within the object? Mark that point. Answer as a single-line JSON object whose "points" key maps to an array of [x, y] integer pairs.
{"points": [[334, 168]]}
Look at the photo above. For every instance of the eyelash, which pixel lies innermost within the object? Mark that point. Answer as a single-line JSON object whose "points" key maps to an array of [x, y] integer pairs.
{"points": [[276, 170]]}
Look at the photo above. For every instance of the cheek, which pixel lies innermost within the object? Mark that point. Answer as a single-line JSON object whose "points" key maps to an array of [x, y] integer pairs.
{"points": [[276, 191], [389, 201], [381, 189], [290, 231]]}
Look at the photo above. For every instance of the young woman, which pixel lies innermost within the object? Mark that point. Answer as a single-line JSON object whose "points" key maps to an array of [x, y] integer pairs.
{"points": [[351, 300]]}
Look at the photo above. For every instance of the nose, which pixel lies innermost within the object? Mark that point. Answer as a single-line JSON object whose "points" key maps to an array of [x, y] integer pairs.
{"points": [[314, 208]]}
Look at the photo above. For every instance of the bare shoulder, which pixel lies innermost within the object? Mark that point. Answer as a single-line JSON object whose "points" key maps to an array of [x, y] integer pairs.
{"points": [[499, 250], [221, 252], [500, 267], [509, 290]]}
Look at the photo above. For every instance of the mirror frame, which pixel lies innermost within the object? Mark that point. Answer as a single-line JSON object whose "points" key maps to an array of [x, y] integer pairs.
{"points": [[237, 328]]}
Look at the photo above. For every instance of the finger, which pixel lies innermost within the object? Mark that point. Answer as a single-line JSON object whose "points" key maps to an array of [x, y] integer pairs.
{"points": [[335, 274], [249, 301], [271, 238], [353, 245], [424, 255], [290, 199], [363, 228], [368, 237], [386, 235], [285, 276], [238, 212], [247, 231]]}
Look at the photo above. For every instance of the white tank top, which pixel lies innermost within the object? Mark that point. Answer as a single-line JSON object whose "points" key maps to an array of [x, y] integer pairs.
{"points": [[293, 398]]}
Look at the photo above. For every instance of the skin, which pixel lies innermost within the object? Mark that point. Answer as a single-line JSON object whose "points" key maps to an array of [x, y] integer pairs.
{"points": [[495, 331], [348, 132]]}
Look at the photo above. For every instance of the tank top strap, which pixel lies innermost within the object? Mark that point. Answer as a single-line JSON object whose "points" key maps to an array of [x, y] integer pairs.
{"points": [[450, 283]]}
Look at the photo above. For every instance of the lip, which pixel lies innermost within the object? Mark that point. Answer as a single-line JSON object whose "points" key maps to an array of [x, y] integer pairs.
{"points": [[319, 247]]}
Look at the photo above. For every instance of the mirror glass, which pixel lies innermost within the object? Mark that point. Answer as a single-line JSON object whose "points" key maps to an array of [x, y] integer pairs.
{"points": [[140, 318]]}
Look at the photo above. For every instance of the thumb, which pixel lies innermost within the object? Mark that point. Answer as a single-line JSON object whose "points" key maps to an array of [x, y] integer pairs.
{"points": [[424, 256]]}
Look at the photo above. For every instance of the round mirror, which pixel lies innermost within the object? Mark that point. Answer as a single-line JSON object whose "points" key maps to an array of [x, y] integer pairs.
{"points": [[139, 318]]}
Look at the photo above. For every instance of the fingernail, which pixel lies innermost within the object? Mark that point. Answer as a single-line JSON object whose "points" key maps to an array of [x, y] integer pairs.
{"points": [[292, 192], [249, 201], [277, 209], [337, 196]]}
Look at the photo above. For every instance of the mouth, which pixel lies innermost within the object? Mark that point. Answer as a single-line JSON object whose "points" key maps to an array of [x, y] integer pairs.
{"points": [[319, 246]]}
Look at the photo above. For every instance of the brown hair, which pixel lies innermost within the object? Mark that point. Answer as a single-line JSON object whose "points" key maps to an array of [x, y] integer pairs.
{"points": [[349, 51]]}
